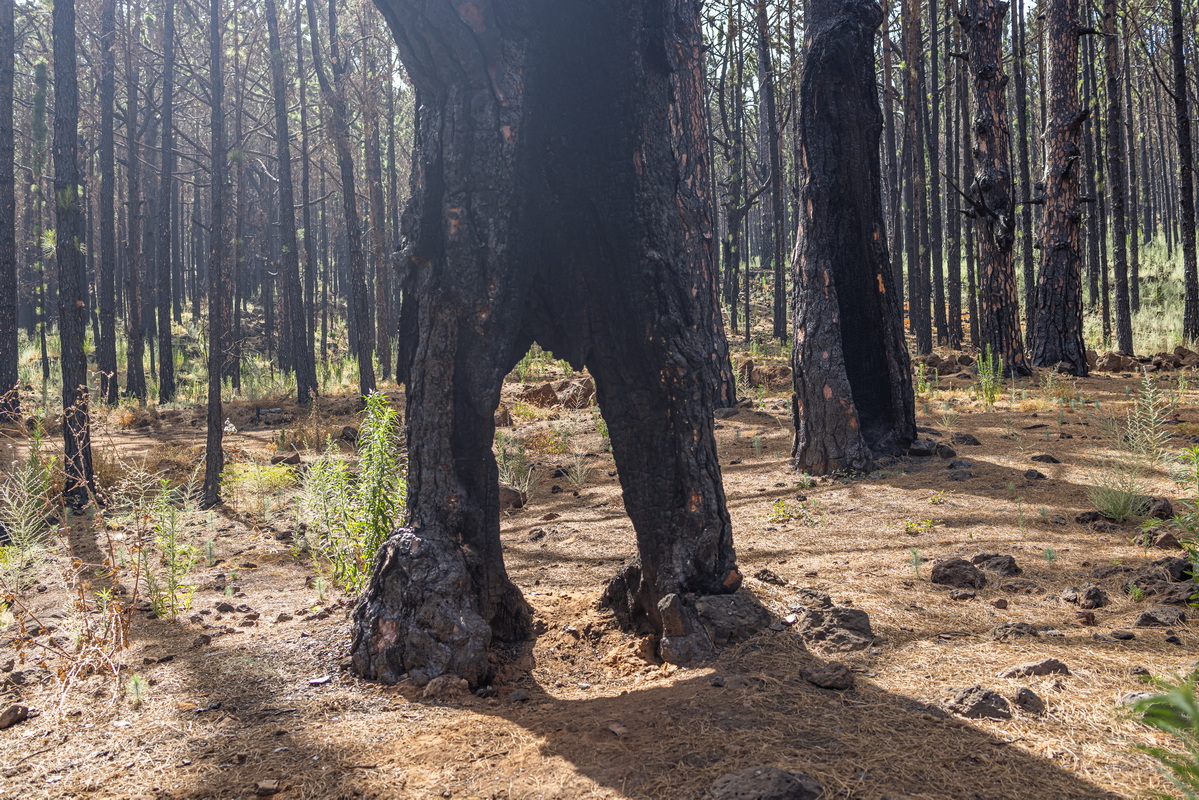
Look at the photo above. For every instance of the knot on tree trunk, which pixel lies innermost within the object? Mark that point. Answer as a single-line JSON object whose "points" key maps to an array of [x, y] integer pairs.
{"points": [[419, 614]]}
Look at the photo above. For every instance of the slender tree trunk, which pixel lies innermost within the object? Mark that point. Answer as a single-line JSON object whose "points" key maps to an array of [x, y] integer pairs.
{"points": [[1057, 339], [1115, 176], [10, 398], [164, 222], [1186, 166], [309, 315], [773, 237], [334, 93], [853, 392], [916, 179], [991, 193], [106, 343], [1134, 211], [1019, 67], [301, 353], [936, 238], [380, 252], [220, 287], [80, 487], [135, 366], [952, 201]]}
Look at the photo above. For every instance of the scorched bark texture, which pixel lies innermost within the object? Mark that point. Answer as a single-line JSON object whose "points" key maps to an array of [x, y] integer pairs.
{"points": [[853, 390], [559, 196]]}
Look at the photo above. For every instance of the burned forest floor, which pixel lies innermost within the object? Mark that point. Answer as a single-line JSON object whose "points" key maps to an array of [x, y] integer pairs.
{"points": [[247, 692]]}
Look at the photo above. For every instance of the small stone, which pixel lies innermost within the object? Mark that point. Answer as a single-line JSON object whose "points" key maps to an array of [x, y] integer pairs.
{"points": [[1089, 596], [1011, 630], [1159, 508], [842, 629], [1132, 698], [959, 464], [922, 448], [321, 681], [717, 681], [519, 696], [284, 618], [962, 594], [1029, 701], [225, 608], [13, 715], [1173, 639], [1084, 617], [767, 575], [1034, 475], [945, 451], [965, 439], [286, 459], [266, 788], [1138, 671], [1048, 666], [979, 703], [833, 675], [1160, 617], [350, 434], [999, 603], [1001, 564], [1045, 458], [958, 573], [201, 640], [765, 783], [959, 475], [1123, 636]]}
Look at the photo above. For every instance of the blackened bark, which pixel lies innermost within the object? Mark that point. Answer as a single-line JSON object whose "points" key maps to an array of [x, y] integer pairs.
{"points": [[953, 203], [79, 488], [10, 402], [334, 94], [309, 317], [773, 240], [1019, 65], [932, 128], [165, 237], [853, 392], [916, 179], [135, 369], [220, 288], [1117, 188], [595, 243], [301, 351], [991, 192], [1186, 166], [1057, 339], [106, 345]]}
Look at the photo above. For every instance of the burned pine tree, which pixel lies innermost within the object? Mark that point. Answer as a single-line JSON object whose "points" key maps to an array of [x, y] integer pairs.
{"points": [[559, 196], [993, 207], [853, 388], [1057, 337], [10, 404]]}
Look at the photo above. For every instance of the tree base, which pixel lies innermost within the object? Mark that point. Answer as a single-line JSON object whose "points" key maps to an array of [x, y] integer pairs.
{"points": [[420, 617], [692, 627]]}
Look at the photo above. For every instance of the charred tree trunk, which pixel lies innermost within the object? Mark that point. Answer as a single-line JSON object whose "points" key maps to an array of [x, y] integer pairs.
{"points": [[135, 361], [1019, 67], [301, 351], [1115, 175], [1057, 339], [598, 246], [164, 222], [916, 179], [1186, 166], [991, 192], [853, 391], [72, 280], [220, 288], [10, 401], [106, 345], [773, 240]]}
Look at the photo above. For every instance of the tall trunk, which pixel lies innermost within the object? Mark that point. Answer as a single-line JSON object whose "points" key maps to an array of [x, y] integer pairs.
{"points": [[164, 223], [932, 110], [334, 94], [916, 178], [1186, 166], [309, 315], [301, 352], [380, 255], [1134, 211], [220, 287], [1057, 339], [853, 387], [1019, 66], [10, 399], [1115, 177], [894, 166], [991, 192], [106, 344], [135, 368], [773, 237], [79, 488], [953, 210], [618, 281], [1090, 187]]}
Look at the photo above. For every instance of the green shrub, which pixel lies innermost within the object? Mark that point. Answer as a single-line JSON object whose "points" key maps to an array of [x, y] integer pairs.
{"points": [[1174, 711]]}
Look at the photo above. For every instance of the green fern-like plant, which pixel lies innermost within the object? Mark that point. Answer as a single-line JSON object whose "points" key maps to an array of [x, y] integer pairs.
{"points": [[1175, 712]]}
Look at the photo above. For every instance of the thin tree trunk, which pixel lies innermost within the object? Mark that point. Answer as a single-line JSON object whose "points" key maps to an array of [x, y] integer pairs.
{"points": [[10, 398], [165, 221], [1115, 176], [1026, 189], [1186, 166], [106, 343], [220, 287], [301, 353], [773, 236], [135, 366], [916, 179], [80, 487]]}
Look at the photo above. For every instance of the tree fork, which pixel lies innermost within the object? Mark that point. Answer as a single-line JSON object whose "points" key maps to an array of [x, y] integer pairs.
{"points": [[537, 217]]}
